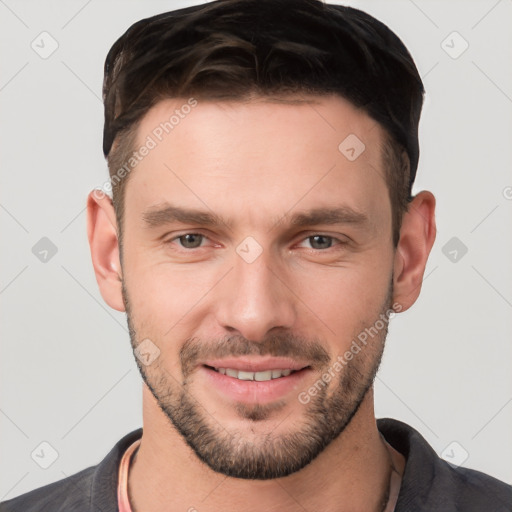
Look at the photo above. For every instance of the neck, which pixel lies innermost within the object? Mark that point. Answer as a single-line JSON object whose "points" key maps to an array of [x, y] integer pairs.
{"points": [[352, 473]]}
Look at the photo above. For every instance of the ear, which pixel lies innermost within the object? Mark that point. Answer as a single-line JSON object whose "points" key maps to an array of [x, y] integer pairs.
{"points": [[103, 242], [417, 236]]}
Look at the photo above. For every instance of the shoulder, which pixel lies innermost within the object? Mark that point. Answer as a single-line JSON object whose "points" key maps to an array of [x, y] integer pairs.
{"points": [[480, 491], [69, 494], [90, 490], [431, 483]]}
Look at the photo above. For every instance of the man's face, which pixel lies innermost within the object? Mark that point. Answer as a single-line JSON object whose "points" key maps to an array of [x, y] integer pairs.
{"points": [[259, 284]]}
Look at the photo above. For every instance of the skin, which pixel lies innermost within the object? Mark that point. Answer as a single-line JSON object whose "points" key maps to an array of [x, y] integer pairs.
{"points": [[252, 163]]}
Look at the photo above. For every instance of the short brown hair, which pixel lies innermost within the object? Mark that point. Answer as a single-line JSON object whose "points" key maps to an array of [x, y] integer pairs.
{"points": [[234, 49]]}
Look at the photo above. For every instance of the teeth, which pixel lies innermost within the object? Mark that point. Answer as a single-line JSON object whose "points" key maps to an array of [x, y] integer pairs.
{"points": [[258, 376], [277, 373]]}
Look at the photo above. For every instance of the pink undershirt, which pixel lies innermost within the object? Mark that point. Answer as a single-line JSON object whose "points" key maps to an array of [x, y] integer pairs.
{"points": [[123, 501]]}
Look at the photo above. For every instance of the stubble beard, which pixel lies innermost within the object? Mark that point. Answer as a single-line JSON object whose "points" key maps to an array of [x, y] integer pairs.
{"points": [[263, 457]]}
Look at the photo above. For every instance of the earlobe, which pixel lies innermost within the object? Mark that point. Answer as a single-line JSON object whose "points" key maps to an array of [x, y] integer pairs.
{"points": [[417, 236], [104, 246]]}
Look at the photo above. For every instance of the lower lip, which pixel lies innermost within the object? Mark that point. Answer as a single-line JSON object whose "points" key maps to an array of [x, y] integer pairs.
{"points": [[251, 391]]}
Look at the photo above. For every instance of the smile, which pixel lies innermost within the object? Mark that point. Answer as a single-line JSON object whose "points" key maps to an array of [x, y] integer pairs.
{"points": [[257, 376]]}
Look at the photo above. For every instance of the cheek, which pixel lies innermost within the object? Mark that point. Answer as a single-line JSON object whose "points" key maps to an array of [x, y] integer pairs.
{"points": [[348, 299], [158, 304], [164, 297], [157, 298]]}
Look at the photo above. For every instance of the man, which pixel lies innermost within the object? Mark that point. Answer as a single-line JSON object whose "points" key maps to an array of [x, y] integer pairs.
{"points": [[261, 235]]}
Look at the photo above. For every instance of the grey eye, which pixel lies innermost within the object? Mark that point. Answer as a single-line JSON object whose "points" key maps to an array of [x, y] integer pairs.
{"points": [[320, 241], [191, 240]]}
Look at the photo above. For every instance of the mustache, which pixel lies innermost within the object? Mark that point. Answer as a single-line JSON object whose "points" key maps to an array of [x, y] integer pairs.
{"points": [[195, 350]]}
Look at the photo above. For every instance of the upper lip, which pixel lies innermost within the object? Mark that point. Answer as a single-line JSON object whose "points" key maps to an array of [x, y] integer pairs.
{"points": [[256, 365]]}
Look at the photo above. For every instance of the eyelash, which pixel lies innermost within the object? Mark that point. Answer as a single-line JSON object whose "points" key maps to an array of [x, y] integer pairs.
{"points": [[336, 241]]}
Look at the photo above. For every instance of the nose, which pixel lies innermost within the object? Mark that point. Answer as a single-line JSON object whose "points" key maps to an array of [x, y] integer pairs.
{"points": [[255, 298]]}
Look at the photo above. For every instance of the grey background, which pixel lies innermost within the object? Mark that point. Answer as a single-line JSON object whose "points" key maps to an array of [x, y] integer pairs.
{"points": [[68, 377]]}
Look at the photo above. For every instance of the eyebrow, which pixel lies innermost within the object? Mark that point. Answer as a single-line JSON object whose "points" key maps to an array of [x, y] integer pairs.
{"points": [[167, 214], [159, 216], [330, 216]]}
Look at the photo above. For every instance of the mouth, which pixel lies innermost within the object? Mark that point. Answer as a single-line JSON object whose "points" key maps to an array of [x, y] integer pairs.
{"points": [[259, 376], [263, 385]]}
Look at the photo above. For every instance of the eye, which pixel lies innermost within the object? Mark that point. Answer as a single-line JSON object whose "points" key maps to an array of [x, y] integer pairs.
{"points": [[189, 240], [322, 242]]}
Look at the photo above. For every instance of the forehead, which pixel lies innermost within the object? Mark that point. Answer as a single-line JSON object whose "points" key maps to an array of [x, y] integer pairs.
{"points": [[258, 156]]}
